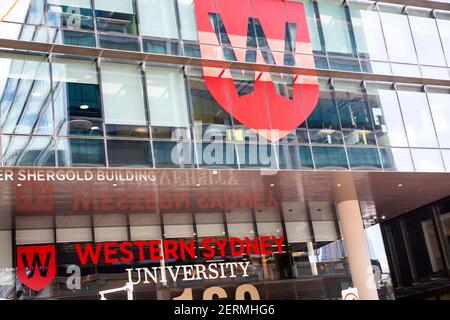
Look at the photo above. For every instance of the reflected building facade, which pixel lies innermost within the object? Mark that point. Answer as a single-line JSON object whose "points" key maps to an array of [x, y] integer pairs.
{"points": [[105, 85]]}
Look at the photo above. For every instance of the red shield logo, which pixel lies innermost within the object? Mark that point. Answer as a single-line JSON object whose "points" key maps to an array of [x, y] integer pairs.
{"points": [[36, 266], [272, 32]]}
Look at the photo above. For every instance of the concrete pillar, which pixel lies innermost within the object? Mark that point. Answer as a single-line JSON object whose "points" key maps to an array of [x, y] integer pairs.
{"points": [[357, 250]]}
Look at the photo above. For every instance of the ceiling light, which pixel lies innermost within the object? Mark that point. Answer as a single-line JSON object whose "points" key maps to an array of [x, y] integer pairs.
{"points": [[383, 217], [198, 184], [400, 185], [214, 172], [95, 128], [272, 185], [19, 184], [84, 107], [339, 185], [115, 185], [36, 94]]}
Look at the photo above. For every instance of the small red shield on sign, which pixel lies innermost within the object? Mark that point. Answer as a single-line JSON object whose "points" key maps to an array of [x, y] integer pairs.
{"points": [[36, 266], [272, 32]]}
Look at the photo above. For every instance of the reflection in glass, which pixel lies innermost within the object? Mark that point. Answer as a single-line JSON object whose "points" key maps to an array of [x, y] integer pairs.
{"points": [[330, 158], [118, 42], [81, 153], [25, 99], [443, 22], [28, 151], [188, 20], [218, 154], [427, 160], [74, 15], [417, 118], [123, 153], [446, 157]]}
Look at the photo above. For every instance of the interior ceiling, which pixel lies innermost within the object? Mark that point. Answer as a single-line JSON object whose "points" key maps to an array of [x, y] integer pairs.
{"points": [[383, 195]]}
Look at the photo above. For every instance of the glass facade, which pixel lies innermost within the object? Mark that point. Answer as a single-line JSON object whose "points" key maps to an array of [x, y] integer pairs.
{"points": [[128, 88]]}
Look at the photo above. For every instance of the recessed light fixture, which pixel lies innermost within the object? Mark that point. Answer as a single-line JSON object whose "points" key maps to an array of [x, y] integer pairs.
{"points": [[115, 185], [383, 217], [84, 107], [214, 172], [19, 184], [400, 185], [339, 185], [272, 185], [198, 184]]}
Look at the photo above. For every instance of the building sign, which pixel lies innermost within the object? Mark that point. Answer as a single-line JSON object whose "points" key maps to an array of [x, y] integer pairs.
{"points": [[350, 294], [266, 28], [36, 265]]}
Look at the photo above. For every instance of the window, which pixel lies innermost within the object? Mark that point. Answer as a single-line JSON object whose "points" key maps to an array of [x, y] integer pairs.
{"points": [[427, 160], [172, 154], [417, 117], [77, 98], [440, 109], [368, 33], [25, 99], [427, 41], [293, 157], [323, 122], [123, 153], [335, 28], [363, 158], [330, 158], [443, 22], [167, 98], [399, 41], [312, 21], [188, 20], [28, 151], [118, 42], [70, 14], [157, 18], [81, 153], [30, 11], [354, 113], [123, 98], [386, 114], [397, 159], [116, 16]]}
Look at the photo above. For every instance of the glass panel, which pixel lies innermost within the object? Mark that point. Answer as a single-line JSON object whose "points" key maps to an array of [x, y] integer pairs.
{"points": [[116, 16], [172, 154], [335, 27], [312, 21], [427, 160], [398, 37], [364, 158], [162, 47], [123, 94], [30, 11], [428, 43], [257, 155], [188, 20], [417, 117], [386, 115], [25, 99], [123, 153], [217, 154], [70, 14], [440, 109], [323, 123], [446, 156], [28, 151], [117, 42], [354, 113], [74, 38], [77, 98], [368, 32], [167, 97], [293, 157], [444, 31], [81, 153], [397, 159], [157, 18], [330, 158]]}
